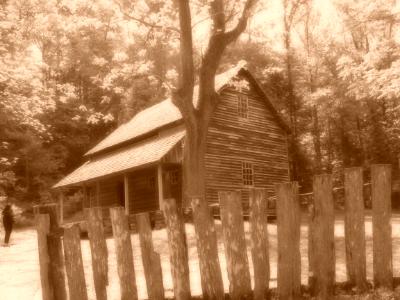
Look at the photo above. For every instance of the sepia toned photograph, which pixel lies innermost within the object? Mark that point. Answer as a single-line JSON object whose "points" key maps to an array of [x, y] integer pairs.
{"points": [[199, 149]]}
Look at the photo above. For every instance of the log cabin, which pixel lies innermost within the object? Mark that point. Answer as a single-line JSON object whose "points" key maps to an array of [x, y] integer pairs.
{"points": [[140, 163]]}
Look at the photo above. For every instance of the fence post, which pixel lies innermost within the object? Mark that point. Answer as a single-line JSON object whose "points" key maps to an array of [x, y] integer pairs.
{"points": [[381, 185], [98, 248], [323, 234], [259, 242], [123, 249], [355, 228], [207, 248], [235, 245], [55, 251], [177, 250], [288, 222], [43, 229], [151, 259], [74, 263]]}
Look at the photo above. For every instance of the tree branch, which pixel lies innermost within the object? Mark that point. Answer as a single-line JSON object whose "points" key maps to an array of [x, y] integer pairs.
{"points": [[143, 21], [232, 35], [208, 98], [217, 14]]}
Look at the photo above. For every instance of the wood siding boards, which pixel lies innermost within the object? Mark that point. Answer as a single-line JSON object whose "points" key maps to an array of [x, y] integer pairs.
{"points": [[259, 140], [111, 192], [143, 194], [172, 186]]}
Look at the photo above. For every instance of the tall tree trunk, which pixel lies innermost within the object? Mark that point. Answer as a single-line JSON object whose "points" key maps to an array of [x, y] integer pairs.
{"points": [[194, 162], [330, 147], [361, 140], [196, 120], [291, 102], [290, 8], [344, 142], [317, 141]]}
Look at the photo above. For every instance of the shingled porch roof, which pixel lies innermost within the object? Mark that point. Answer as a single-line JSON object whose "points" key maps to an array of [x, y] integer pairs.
{"points": [[144, 153]]}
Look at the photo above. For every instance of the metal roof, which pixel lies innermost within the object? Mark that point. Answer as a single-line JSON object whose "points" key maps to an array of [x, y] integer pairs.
{"points": [[145, 152], [156, 116]]}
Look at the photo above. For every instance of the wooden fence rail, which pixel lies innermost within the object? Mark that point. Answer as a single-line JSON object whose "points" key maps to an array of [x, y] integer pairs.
{"points": [[151, 259], [288, 222], [382, 231], [355, 228], [60, 254], [98, 248], [235, 245]]}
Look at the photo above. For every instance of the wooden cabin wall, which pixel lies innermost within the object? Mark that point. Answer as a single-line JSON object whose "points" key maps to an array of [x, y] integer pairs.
{"points": [[109, 192], [112, 191], [172, 182], [257, 139], [143, 194]]}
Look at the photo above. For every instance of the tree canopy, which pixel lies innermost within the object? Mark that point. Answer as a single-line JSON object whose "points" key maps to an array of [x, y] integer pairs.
{"points": [[71, 71]]}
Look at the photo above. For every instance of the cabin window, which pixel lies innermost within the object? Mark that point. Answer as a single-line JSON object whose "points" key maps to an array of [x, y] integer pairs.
{"points": [[247, 174], [174, 177], [243, 106]]}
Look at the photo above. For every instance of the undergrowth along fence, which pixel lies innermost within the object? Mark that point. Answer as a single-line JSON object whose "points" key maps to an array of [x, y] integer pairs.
{"points": [[60, 249]]}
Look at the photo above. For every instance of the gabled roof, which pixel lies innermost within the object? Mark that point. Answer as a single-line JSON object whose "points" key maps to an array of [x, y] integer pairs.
{"points": [[146, 152], [156, 116]]}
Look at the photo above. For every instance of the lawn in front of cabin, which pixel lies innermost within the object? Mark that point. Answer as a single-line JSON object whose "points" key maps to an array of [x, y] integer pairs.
{"points": [[19, 267]]}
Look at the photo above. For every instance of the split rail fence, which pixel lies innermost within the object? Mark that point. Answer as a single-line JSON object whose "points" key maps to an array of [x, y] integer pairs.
{"points": [[60, 249]]}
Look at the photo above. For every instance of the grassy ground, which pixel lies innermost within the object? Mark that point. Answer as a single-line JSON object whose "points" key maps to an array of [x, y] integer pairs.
{"points": [[19, 271]]}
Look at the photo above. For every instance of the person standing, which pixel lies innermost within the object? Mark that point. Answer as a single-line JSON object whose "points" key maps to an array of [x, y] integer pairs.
{"points": [[8, 222]]}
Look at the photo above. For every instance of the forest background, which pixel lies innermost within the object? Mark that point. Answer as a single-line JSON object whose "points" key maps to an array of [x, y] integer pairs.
{"points": [[73, 70]]}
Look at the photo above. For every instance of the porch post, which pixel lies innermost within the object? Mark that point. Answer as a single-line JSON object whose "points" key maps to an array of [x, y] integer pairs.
{"points": [[61, 206], [160, 186], [126, 194]]}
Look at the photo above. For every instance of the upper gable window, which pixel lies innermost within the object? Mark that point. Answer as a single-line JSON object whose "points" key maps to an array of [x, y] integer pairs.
{"points": [[243, 106]]}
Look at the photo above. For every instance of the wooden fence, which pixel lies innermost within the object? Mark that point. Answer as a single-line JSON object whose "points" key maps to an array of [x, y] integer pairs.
{"points": [[60, 249]]}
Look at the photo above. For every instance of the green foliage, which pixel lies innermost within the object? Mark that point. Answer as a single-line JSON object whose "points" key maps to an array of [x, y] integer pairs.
{"points": [[71, 71]]}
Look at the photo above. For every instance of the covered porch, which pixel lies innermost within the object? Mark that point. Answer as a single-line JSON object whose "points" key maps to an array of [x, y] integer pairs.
{"points": [[138, 191], [137, 177]]}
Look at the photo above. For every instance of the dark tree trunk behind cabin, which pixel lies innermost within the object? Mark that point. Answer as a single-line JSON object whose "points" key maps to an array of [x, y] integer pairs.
{"points": [[317, 140], [196, 118], [194, 163]]}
